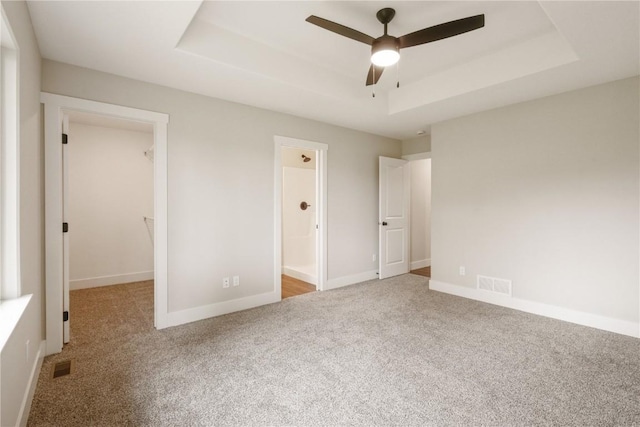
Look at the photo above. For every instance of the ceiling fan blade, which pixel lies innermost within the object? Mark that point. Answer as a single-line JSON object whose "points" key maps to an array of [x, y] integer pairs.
{"points": [[340, 29], [442, 31], [377, 74]]}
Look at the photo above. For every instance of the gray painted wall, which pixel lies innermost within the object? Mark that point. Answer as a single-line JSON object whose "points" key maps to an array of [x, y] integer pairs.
{"points": [[545, 193], [421, 144], [110, 191], [221, 185]]}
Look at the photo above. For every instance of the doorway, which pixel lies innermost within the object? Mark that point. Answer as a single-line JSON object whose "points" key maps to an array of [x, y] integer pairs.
{"points": [[57, 266], [300, 188], [405, 215], [420, 213], [108, 204], [299, 219]]}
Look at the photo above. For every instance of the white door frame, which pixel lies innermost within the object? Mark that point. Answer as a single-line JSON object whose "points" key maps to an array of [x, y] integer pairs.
{"points": [[54, 105], [66, 277], [321, 211]]}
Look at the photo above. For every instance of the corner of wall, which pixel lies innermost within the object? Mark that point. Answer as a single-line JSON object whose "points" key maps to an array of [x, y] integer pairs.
{"points": [[421, 144]]}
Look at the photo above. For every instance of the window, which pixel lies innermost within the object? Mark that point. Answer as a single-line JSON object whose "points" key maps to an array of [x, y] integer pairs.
{"points": [[9, 169]]}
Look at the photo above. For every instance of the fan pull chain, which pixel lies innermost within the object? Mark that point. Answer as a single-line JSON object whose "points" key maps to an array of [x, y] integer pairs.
{"points": [[373, 86], [398, 74]]}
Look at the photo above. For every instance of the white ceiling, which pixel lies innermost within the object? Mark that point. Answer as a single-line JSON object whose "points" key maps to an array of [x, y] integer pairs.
{"points": [[265, 54]]}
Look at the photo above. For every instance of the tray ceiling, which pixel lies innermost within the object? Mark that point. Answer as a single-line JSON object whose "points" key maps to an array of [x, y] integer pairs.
{"points": [[264, 53]]}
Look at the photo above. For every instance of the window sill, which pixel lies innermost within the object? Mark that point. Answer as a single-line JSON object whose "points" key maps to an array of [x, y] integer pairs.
{"points": [[10, 313]]}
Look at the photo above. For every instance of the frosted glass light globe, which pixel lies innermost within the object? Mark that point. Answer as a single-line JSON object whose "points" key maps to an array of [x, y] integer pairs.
{"points": [[386, 57]]}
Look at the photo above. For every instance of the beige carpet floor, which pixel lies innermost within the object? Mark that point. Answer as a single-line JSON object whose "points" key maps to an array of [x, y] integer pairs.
{"points": [[387, 352]]}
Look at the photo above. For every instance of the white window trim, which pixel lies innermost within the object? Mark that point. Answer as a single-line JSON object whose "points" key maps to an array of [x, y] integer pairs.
{"points": [[12, 305], [10, 166]]}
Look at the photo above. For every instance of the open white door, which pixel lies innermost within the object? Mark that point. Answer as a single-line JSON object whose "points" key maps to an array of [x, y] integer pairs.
{"points": [[394, 217], [65, 235]]}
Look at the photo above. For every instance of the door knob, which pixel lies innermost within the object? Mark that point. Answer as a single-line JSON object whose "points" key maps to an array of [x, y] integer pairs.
{"points": [[384, 222]]}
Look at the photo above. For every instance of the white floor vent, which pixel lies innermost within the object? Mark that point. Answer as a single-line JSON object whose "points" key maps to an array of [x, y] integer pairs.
{"points": [[493, 284]]}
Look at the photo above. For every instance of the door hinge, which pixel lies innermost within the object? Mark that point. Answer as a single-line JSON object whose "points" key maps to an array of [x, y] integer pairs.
{"points": [[65, 316], [65, 139], [65, 227]]}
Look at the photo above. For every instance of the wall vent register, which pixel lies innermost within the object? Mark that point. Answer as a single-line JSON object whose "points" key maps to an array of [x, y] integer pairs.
{"points": [[494, 284], [61, 369]]}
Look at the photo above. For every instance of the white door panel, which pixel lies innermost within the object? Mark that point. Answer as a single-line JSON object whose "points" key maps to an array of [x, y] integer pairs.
{"points": [[394, 208], [395, 246], [394, 181]]}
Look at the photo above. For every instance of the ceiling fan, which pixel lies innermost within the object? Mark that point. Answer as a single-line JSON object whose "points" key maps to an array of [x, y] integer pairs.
{"points": [[385, 49]]}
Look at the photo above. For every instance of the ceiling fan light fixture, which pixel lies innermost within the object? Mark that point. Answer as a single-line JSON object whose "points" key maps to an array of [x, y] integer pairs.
{"points": [[384, 58], [385, 51]]}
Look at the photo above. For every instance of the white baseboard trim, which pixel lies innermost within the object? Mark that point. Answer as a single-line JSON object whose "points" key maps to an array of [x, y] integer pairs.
{"points": [[300, 275], [420, 264], [181, 317], [25, 408], [189, 315], [339, 282], [623, 327], [94, 282]]}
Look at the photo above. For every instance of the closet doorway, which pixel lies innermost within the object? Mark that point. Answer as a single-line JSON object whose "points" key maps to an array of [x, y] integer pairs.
{"points": [[108, 193], [57, 264]]}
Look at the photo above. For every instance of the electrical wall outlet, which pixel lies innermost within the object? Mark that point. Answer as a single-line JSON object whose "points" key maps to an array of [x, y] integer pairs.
{"points": [[462, 270], [374, 257], [236, 280], [225, 282]]}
